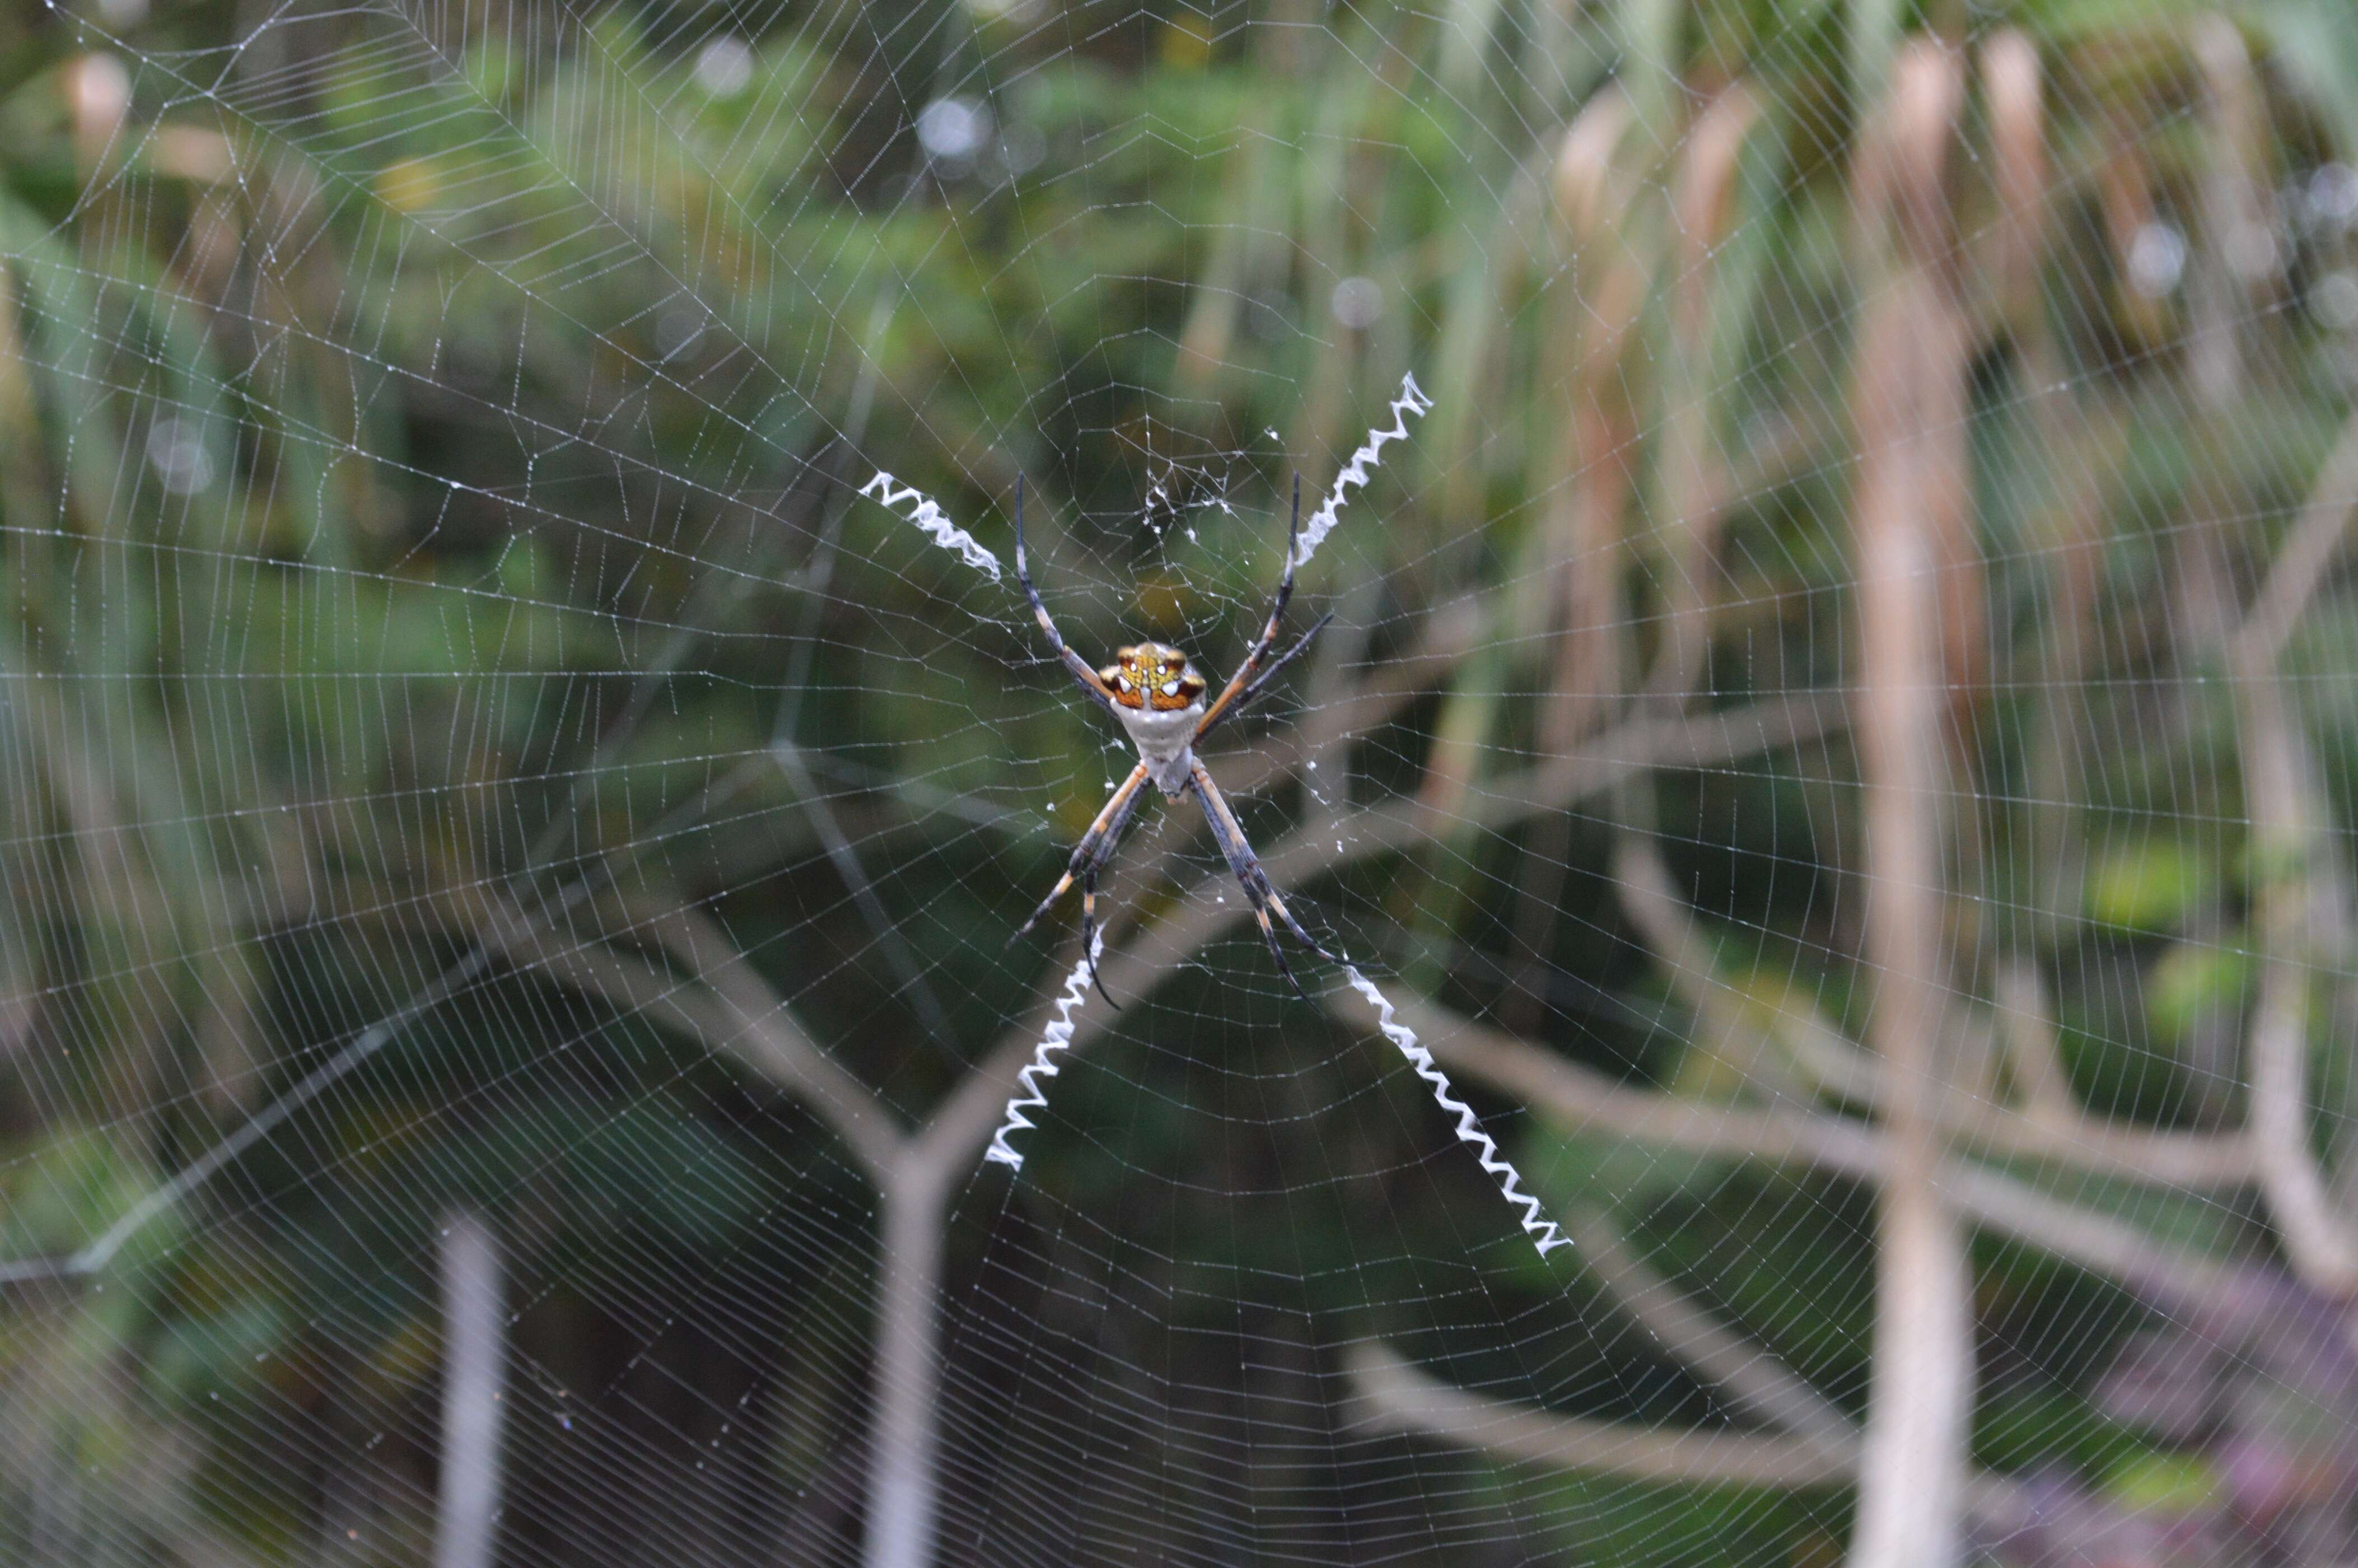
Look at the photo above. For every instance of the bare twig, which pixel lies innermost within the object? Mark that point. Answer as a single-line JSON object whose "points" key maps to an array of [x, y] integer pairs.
{"points": [[474, 1338], [762, 1034], [1693, 471], [1389, 1393], [1666, 923], [904, 1451], [1451, 630], [2300, 565], [2014, 95], [718, 998], [1571, 605], [1693, 740], [724, 1002], [1702, 740], [1585, 1103], [2235, 219], [1392, 1394], [2282, 800], [2062, 1136], [1755, 1381], [2298, 900], [2034, 1058]]}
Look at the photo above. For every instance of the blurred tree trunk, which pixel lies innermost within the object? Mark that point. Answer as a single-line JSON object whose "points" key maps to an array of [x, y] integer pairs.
{"points": [[1911, 514], [903, 1450]]}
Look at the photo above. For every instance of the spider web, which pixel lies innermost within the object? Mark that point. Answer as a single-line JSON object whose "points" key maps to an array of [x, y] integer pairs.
{"points": [[1830, 765]]}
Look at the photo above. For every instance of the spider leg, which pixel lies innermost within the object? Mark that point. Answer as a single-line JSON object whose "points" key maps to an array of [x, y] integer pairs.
{"points": [[1229, 835], [1245, 697], [1107, 844], [1087, 856], [1229, 693], [1090, 858], [1077, 667]]}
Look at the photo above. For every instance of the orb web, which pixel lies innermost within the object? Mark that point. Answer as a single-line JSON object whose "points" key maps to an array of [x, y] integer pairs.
{"points": [[1829, 768]]}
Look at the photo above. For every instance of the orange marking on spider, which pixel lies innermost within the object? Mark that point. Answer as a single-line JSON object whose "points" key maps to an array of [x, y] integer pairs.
{"points": [[1153, 676]]}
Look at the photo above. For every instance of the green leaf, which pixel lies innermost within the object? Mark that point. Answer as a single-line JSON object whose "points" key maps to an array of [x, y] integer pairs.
{"points": [[2149, 885]]}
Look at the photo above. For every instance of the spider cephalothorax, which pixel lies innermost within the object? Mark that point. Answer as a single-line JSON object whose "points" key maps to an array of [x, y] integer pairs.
{"points": [[1159, 701], [1153, 674]]}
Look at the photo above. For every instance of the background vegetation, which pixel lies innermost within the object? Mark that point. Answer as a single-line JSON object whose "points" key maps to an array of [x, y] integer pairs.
{"points": [[1839, 730]]}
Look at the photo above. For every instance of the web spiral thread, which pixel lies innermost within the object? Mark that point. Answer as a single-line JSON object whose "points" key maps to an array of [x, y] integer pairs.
{"points": [[1542, 1232], [1363, 462], [1057, 1037], [927, 514]]}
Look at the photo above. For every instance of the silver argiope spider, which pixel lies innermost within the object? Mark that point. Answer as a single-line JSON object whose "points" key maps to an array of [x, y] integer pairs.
{"points": [[1159, 701]]}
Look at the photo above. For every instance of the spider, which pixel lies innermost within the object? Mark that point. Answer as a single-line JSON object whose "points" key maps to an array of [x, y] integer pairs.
{"points": [[1158, 699]]}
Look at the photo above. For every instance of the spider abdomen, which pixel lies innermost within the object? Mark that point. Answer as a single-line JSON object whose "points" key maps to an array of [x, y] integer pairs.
{"points": [[1160, 701], [1165, 740]]}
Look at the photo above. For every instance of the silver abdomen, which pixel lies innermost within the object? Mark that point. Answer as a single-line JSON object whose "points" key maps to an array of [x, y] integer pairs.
{"points": [[1164, 741]]}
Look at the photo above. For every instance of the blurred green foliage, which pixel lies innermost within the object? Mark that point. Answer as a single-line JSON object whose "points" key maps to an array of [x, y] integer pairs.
{"points": [[425, 450]]}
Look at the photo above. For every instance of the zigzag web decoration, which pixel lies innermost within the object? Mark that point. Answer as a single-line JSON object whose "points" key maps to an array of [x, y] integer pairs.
{"points": [[1058, 1036]]}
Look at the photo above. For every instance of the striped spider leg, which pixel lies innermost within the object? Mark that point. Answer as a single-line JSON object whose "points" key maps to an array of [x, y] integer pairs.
{"points": [[1159, 701], [1090, 858], [1246, 866]]}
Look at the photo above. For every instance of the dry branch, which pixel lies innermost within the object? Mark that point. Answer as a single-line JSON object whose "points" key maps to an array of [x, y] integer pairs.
{"points": [[1696, 483], [2014, 94], [2060, 1135], [1570, 608], [1451, 631], [1754, 1380], [2034, 1056], [723, 1002], [2316, 541], [1702, 739], [1389, 1393], [2297, 910], [1392, 1394], [763, 1035], [1583, 1102], [474, 1361], [2238, 233]]}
